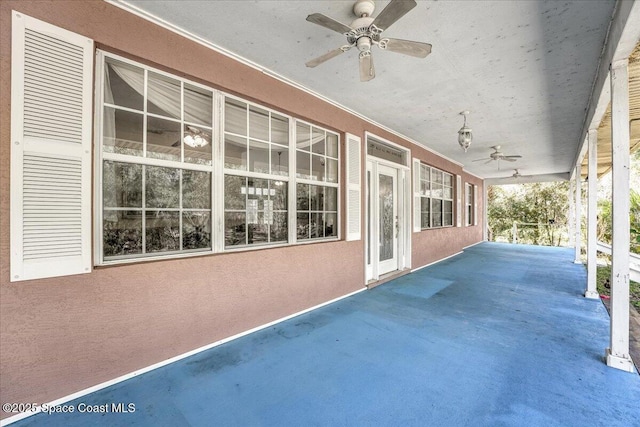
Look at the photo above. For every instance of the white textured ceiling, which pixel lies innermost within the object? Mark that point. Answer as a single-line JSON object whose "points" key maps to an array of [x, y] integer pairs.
{"points": [[524, 69]]}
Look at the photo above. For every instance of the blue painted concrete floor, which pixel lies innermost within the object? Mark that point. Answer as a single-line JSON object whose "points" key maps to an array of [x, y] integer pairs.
{"points": [[497, 336]]}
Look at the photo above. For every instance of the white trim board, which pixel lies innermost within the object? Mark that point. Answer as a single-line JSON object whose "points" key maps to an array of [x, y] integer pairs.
{"points": [[435, 262], [177, 358], [184, 33]]}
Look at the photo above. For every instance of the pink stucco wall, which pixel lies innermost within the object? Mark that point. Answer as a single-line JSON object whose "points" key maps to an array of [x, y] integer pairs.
{"points": [[62, 335]]}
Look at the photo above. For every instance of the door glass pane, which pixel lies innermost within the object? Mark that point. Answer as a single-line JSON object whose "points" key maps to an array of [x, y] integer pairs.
{"points": [[387, 221]]}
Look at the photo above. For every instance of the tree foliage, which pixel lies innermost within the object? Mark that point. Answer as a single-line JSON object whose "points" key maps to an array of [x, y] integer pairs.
{"points": [[539, 209]]}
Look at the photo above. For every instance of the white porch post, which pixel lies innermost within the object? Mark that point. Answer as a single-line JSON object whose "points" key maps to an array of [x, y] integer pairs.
{"points": [[618, 351], [485, 213], [571, 218], [592, 212], [578, 216]]}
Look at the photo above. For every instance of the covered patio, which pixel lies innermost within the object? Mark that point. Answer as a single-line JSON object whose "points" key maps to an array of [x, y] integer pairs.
{"points": [[497, 335]]}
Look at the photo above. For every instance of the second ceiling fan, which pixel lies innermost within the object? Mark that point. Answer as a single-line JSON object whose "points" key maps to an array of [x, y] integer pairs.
{"points": [[498, 155], [365, 32]]}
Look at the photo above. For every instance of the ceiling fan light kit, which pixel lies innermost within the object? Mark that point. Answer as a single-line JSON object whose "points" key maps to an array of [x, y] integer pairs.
{"points": [[465, 134], [365, 32]]}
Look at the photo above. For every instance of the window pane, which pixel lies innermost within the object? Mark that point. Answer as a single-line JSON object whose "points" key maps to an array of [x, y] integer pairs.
{"points": [[235, 229], [279, 129], [163, 139], [332, 170], [448, 193], [162, 187], [235, 152], [196, 230], [316, 226], [448, 180], [258, 123], [436, 213], [318, 141], [278, 228], [424, 173], [163, 96], [121, 185], [123, 85], [235, 190], [122, 132], [196, 190], [330, 225], [162, 231], [303, 136], [303, 225], [235, 117], [317, 167], [258, 189], [122, 232], [424, 188], [303, 197], [436, 176], [332, 145], [198, 105], [447, 214], [316, 198], [278, 195], [258, 232], [330, 199], [197, 145], [303, 165], [279, 160], [258, 156]]}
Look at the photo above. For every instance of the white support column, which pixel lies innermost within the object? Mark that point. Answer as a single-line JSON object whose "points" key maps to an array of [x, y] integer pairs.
{"points": [[578, 216], [571, 219], [618, 352], [485, 211], [592, 216]]}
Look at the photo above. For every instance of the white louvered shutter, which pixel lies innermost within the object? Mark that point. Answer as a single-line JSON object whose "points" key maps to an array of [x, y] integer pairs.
{"points": [[417, 213], [51, 99], [354, 198], [458, 201]]}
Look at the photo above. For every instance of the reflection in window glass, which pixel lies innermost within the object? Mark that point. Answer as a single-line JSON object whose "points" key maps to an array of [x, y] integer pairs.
{"points": [[255, 211], [258, 156], [162, 187], [235, 152], [162, 231], [279, 160], [436, 198], [122, 185], [121, 233], [196, 230], [317, 211], [123, 85], [198, 105], [163, 96], [196, 190], [122, 132], [258, 123], [163, 139], [197, 142]]}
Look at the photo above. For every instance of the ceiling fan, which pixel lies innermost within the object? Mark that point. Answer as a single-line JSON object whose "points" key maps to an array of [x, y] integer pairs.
{"points": [[498, 155], [366, 31], [517, 174]]}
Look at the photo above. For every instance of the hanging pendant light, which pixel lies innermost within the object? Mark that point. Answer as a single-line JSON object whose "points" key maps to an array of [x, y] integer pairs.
{"points": [[465, 136]]}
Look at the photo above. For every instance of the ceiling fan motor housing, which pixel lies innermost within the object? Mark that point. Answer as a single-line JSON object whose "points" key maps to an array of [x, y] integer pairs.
{"points": [[364, 7]]}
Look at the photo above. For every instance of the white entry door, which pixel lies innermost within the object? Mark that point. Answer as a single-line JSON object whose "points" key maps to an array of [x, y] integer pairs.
{"points": [[387, 222]]}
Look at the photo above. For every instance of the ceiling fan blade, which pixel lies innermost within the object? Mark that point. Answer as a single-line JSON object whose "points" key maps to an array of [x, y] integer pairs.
{"points": [[327, 56], [330, 23], [509, 158], [406, 47], [367, 72], [512, 157], [479, 160], [395, 10]]}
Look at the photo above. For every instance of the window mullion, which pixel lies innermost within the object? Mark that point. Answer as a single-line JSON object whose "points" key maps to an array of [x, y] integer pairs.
{"points": [[292, 217]]}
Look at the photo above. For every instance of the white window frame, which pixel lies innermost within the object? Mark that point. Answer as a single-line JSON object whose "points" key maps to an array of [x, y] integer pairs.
{"points": [[419, 196], [216, 169], [470, 204]]}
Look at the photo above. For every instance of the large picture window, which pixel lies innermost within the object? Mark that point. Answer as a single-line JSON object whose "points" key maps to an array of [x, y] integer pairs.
{"points": [[156, 163], [435, 197], [275, 181]]}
